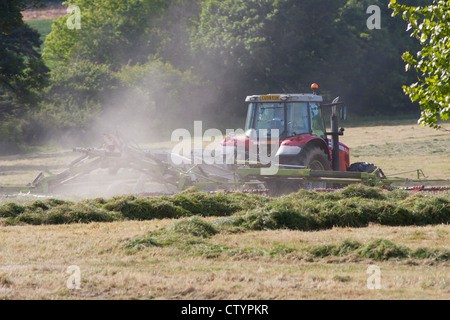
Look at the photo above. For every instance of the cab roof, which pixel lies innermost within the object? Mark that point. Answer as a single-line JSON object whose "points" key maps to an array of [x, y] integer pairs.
{"points": [[291, 97]]}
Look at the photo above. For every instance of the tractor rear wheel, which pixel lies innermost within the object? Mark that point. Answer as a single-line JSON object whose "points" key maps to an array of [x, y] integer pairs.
{"points": [[316, 159], [312, 158]]}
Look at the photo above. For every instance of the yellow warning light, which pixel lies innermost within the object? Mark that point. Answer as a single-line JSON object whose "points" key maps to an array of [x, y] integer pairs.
{"points": [[314, 86]]}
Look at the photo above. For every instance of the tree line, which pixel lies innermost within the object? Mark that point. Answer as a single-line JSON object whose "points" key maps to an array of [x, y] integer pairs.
{"points": [[156, 65]]}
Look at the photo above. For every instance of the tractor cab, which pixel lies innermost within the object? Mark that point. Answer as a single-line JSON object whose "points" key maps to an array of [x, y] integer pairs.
{"points": [[295, 122], [291, 115]]}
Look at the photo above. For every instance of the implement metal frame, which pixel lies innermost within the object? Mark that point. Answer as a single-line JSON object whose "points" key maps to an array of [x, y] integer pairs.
{"points": [[159, 167]]}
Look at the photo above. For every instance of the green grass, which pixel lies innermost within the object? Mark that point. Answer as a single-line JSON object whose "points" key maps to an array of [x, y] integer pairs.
{"points": [[202, 216], [354, 206], [379, 250], [191, 236]]}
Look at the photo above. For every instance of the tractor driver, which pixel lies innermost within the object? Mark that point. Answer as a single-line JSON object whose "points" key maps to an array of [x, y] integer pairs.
{"points": [[278, 119]]}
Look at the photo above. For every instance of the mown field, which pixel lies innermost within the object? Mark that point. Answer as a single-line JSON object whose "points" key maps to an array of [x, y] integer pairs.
{"points": [[197, 245], [401, 146]]}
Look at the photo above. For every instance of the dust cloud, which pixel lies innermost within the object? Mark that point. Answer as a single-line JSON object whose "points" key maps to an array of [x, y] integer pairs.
{"points": [[144, 113]]}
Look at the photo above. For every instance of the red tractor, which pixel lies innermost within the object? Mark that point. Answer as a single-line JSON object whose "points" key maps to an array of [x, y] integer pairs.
{"points": [[302, 138]]}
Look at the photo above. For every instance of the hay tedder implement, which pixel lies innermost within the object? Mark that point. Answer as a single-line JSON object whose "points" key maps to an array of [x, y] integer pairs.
{"points": [[289, 128], [128, 169]]}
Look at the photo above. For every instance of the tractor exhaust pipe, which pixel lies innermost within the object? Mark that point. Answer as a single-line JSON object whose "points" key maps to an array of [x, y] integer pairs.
{"points": [[335, 133]]}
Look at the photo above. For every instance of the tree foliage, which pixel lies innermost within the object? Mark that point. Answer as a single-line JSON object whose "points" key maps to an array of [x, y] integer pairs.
{"points": [[10, 13], [22, 72], [166, 63], [431, 26], [121, 44], [112, 32], [75, 97], [286, 45]]}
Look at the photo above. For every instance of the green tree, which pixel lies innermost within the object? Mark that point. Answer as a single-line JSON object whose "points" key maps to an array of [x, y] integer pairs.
{"points": [[431, 26], [174, 27], [266, 46], [161, 97], [140, 51], [113, 32], [22, 74], [22, 71], [75, 97], [10, 13]]}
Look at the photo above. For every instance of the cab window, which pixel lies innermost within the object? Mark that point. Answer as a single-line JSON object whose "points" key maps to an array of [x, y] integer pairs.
{"points": [[297, 118], [317, 127]]}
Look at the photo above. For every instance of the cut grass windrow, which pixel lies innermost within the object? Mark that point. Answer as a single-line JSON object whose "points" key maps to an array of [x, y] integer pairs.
{"points": [[191, 236], [354, 206], [379, 250]]}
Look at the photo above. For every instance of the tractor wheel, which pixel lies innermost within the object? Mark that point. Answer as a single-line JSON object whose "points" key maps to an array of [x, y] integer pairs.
{"points": [[366, 167], [362, 167], [316, 159]]}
